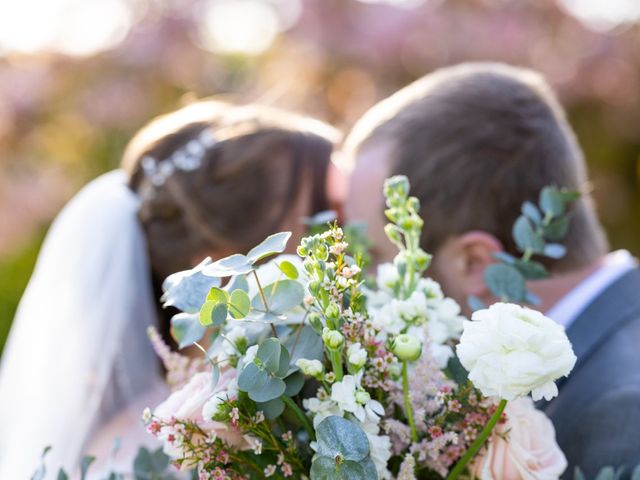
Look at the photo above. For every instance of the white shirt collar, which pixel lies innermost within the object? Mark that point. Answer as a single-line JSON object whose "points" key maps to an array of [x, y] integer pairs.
{"points": [[569, 307]]}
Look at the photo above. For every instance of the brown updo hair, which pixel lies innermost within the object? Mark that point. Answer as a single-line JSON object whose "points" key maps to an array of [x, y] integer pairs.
{"points": [[262, 162]]}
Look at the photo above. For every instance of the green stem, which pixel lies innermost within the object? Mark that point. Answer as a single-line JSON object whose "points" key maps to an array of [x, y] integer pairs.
{"points": [[478, 443], [264, 302], [526, 256], [306, 423], [335, 355], [407, 402]]}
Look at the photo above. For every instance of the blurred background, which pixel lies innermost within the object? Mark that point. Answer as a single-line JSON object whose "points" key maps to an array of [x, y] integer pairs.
{"points": [[79, 77]]}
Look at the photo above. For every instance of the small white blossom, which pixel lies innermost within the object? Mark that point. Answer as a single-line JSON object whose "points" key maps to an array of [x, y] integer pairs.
{"points": [[356, 355]]}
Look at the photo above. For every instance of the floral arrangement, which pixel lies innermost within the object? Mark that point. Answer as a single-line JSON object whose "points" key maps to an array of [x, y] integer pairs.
{"points": [[309, 373]]}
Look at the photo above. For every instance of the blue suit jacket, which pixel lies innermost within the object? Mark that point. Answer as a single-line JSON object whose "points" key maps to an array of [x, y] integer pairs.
{"points": [[597, 413]]}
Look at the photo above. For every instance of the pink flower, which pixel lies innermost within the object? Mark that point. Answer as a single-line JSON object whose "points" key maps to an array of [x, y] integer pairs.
{"points": [[186, 404], [530, 451]]}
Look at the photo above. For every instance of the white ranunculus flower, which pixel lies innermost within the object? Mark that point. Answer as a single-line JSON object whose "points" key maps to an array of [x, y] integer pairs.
{"points": [[510, 351]]}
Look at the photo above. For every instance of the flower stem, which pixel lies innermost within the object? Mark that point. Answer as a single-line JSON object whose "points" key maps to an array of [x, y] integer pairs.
{"points": [[407, 402], [264, 302], [477, 444], [335, 355], [301, 416]]}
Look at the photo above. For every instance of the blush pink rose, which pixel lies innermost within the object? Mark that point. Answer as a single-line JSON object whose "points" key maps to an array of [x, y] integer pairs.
{"points": [[187, 404], [522, 448]]}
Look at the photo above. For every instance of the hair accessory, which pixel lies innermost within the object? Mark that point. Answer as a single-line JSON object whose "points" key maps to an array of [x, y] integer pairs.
{"points": [[186, 159]]}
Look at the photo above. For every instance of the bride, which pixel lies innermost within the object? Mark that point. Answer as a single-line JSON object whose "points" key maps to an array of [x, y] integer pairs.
{"points": [[209, 179]]}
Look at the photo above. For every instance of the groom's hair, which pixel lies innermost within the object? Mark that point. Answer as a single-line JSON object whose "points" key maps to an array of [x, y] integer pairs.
{"points": [[476, 141]]}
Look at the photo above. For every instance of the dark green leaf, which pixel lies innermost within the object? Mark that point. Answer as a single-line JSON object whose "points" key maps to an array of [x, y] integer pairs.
{"points": [[272, 245], [557, 229], [526, 237], [294, 382], [227, 267], [531, 270], [456, 372], [271, 409], [288, 269], [186, 329], [505, 282], [240, 304], [554, 250], [188, 289], [62, 475]]}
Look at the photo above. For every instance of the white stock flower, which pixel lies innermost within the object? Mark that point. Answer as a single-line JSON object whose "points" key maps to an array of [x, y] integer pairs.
{"points": [[431, 288], [510, 351], [321, 409], [387, 276], [356, 355], [380, 451]]}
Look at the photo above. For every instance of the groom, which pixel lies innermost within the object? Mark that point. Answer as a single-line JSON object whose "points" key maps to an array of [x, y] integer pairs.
{"points": [[476, 141]]}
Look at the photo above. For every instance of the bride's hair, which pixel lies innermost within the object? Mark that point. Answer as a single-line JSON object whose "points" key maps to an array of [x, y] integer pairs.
{"points": [[218, 177]]}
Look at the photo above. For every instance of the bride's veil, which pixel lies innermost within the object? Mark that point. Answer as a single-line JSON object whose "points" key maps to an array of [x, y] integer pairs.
{"points": [[78, 349]]}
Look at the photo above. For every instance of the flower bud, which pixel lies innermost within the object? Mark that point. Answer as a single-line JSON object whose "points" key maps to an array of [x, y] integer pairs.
{"points": [[332, 338], [396, 185], [362, 397], [413, 204], [406, 347], [312, 368], [356, 355], [316, 322], [393, 233], [332, 311]]}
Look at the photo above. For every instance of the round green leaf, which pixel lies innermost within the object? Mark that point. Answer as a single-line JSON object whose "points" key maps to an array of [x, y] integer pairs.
{"points": [[251, 377], [271, 409], [218, 295], [272, 388], [240, 304], [273, 244], [206, 312], [227, 267], [339, 436], [269, 353], [505, 282], [288, 269], [294, 382], [219, 314], [186, 329], [526, 237]]}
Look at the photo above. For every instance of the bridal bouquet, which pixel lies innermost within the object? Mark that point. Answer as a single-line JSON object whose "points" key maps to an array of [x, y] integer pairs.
{"points": [[310, 373]]}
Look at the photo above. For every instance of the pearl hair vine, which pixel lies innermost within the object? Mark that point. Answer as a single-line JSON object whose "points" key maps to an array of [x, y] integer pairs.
{"points": [[186, 159]]}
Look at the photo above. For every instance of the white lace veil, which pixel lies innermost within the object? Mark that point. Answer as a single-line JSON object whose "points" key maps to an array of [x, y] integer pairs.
{"points": [[78, 350]]}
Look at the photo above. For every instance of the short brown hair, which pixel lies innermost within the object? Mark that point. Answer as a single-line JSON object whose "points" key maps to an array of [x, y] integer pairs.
{"points": [[476, 141]]}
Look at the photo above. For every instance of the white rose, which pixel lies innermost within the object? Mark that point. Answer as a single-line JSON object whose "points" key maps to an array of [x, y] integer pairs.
{"points": [[510, 351]]}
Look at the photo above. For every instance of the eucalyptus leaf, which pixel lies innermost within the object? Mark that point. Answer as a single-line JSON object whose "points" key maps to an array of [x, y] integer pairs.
{"points": [[206, 313], [217, 295], [238, 282], [505, 282], [551, 201], [304, 344], [531, 212], [151, 465], [475, 303], [41, 472], [456, 372], [273, 388], [186, 329], [62, 475], [526, 237], [556, 229], [240, 304], [283, 364], [531, 270], [269, 353], [337, 436], [554, 250], [271, 245], [85, 463], [294, 383], [215, 375], [505, 257], [252, 377], [188, 289], [288, 269], [271, 409], [532, 299], [227, 267], [219, 314], [635, 475], [324, 468], [281, 296]]}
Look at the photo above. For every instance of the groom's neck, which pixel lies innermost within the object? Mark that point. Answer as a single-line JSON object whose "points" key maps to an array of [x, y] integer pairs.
{"points": [[553, 289]]}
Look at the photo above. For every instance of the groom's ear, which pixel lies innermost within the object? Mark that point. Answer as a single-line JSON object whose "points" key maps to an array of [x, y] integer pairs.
{"points": [[460, 264]]}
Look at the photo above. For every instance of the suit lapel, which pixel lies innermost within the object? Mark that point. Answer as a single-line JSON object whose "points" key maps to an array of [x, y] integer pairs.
{"points": [[619, 303]]}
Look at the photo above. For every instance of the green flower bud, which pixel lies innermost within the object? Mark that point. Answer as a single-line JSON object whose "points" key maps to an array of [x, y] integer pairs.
{"points": [[413, 204], [314, 287], [362, 397], [422, 259], [301, 251], [396, 185], [312, 368], [406, 347], [393, 233], [332, 338], [332, 311], [315, 320]]}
